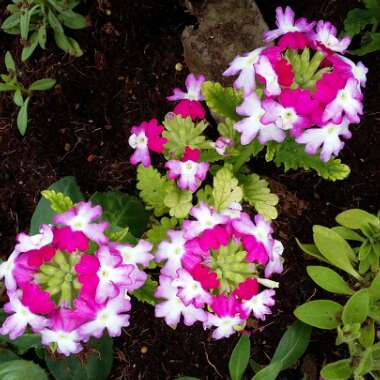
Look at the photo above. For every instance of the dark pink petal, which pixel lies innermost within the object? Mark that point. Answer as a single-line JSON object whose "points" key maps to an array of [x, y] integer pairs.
{"points": [[256, 250], [68, 240], [191, 154], [205, 276], [40, 256], [284, 71], [247, 289], [191, 108], [38, 301]]}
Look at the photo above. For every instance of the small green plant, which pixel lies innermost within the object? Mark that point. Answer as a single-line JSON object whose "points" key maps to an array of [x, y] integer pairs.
{"points": [[291, 347], [356, 320], [21, 95], [31, 19], [365, 20]]}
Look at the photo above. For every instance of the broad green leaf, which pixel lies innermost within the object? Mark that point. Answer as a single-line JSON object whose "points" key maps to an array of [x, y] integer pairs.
{"points": [[329, 280], [21, 370], [58, 202], [31, 45], [226, 189], [158, 232], [339, 370], [178, 201], [293, 156], [374, 289], [270, 372], [9, 62], [123, 210], [239, 359], [357, 308], [355, 218], [26, 342], [43, 214], [95, 366], [222, 100], [311, 250], [152, 189], [257, 193], [17, 98], [42, 84], [348, 234], [356, 20], [7, 355], [335, 249], [146, 292], [73, 20], [7, 87], [22, 117], [324, 314], [11, 22], [365, 363], [182, 133]]}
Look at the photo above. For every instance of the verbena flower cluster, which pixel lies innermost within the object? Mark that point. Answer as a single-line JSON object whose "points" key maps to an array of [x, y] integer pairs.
{"points": [[69, 282], [214, 268], [302, 86]]}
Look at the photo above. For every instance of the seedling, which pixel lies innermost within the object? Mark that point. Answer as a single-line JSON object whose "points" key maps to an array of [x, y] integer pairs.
{"points": [[21, 94]]}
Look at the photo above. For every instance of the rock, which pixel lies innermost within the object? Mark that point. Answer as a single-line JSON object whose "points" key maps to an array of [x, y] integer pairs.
{"points": [[225, 28]]}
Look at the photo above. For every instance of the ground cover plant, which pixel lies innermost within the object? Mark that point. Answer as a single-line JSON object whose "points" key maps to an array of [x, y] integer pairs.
{"points": [[61, 146]]}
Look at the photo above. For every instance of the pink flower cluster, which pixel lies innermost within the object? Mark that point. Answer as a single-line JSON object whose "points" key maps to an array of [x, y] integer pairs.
{"points": [[308, 87], [213, 270], [69, 282]]}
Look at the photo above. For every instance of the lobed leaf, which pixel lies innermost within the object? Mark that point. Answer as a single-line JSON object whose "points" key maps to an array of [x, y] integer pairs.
{"points": [[158, 232], [59, 202], [178, 201], [146, 292]]}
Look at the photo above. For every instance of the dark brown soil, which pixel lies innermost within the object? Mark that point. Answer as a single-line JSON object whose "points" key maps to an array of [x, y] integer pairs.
{"points": [[81, 128]]}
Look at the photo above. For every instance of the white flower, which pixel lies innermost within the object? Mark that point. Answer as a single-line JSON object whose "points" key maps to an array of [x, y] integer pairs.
{"points": [[260, 304], [67, 341]]}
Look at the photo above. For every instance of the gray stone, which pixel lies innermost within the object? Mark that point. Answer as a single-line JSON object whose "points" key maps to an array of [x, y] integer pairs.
{"points": [[225, 28]]}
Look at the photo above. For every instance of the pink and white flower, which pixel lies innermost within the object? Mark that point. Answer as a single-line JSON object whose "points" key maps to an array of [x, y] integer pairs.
{"points": [[37, 241], [68, 342], [251, 126], [266, 71], [327, 138], [260, 304], [325, 36], [285, 24]]}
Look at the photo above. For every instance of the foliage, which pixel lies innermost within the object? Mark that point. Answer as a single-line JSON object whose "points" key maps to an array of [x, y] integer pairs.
{"points": [[293, 156], [21, 94], [178, 201], [59, 202], [353, 247], [146, 292], [366, 20], [158, 231], [31, 19]]}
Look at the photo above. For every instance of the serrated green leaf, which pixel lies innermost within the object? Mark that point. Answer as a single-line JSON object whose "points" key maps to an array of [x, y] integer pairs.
{"points": [[239, 359], [257, 193], [293, 156], [146, 292], [120, 235], [178, 201], [152, 188], [58, 202], [158, 232], [182, 133], [222, 100], [329, 280], [205, 195], [226, 189], [226, 129], [324, 314]]}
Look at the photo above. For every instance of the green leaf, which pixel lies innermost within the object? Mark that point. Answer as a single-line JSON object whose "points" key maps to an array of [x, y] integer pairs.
{"points": [[311, 250], [7, 87], [24, 23], [188, 378], [367, 334], [21, 370], [339, 370], [293, 156], [226, 129], [374, 289], [146, 292], [58, 202], [335, 249], [7, 355], [357, 308], [67, 44], [11, 22], [42, 35], [97, 364], [73, 20], [182, 133], [178, 201], [158, 232], [222, 100], [26, 342], [329, 280], [291, 347], [75, 50], [9, 62], [239, 359], [123, 210], [22, 117], [365, 364], [54, 22], [324, 314], [152, 189], [42, 84], [31, 45], [257, 193], [43, 214], [348, 234], [17, 98], [372, 44], [226, 189], [355, 218], [120, 235], [356, 20]]}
